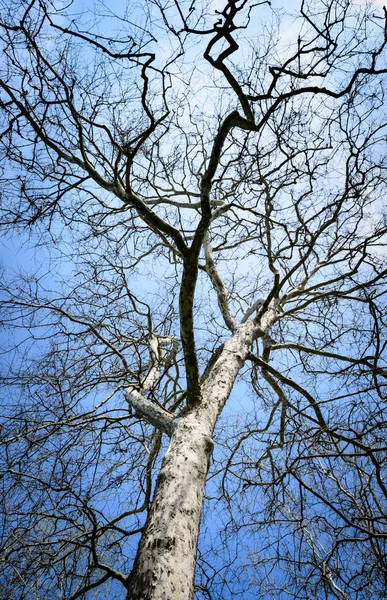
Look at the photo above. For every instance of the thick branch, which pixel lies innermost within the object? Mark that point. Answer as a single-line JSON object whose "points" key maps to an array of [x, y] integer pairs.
{"points": [[155, 415], [186, 302], [219, 286]]}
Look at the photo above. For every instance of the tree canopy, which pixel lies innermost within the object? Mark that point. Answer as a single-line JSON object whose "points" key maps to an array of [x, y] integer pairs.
{"points": [[199, 188]]}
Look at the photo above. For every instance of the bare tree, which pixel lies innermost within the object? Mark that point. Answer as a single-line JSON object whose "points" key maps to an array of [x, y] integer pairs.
{"points": [[205, 200]]}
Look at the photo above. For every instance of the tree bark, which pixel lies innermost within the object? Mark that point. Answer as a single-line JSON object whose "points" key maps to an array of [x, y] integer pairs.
{"points": [[165, 563]]}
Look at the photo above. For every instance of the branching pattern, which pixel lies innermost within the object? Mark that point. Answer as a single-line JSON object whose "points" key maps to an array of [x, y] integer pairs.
{"points": [[202, 319]]}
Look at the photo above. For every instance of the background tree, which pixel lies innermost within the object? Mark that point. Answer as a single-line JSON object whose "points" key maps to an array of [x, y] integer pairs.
{"points": [[205, 201]]}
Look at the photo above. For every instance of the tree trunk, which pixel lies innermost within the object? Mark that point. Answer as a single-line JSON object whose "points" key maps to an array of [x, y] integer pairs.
{"points": [[165, 563]]}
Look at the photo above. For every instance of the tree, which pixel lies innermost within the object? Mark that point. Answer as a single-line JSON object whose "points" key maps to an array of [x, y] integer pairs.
{"points": [[206, 204]]}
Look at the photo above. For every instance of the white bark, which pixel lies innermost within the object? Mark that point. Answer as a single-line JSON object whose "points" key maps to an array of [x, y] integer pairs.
{"points": [[218, 284], [257, 304], [157, 357], [154, 414], [165, 563]]}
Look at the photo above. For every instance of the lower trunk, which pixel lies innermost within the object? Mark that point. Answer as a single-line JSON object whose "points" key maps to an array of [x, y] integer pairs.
{"points": [[165, 564]]}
